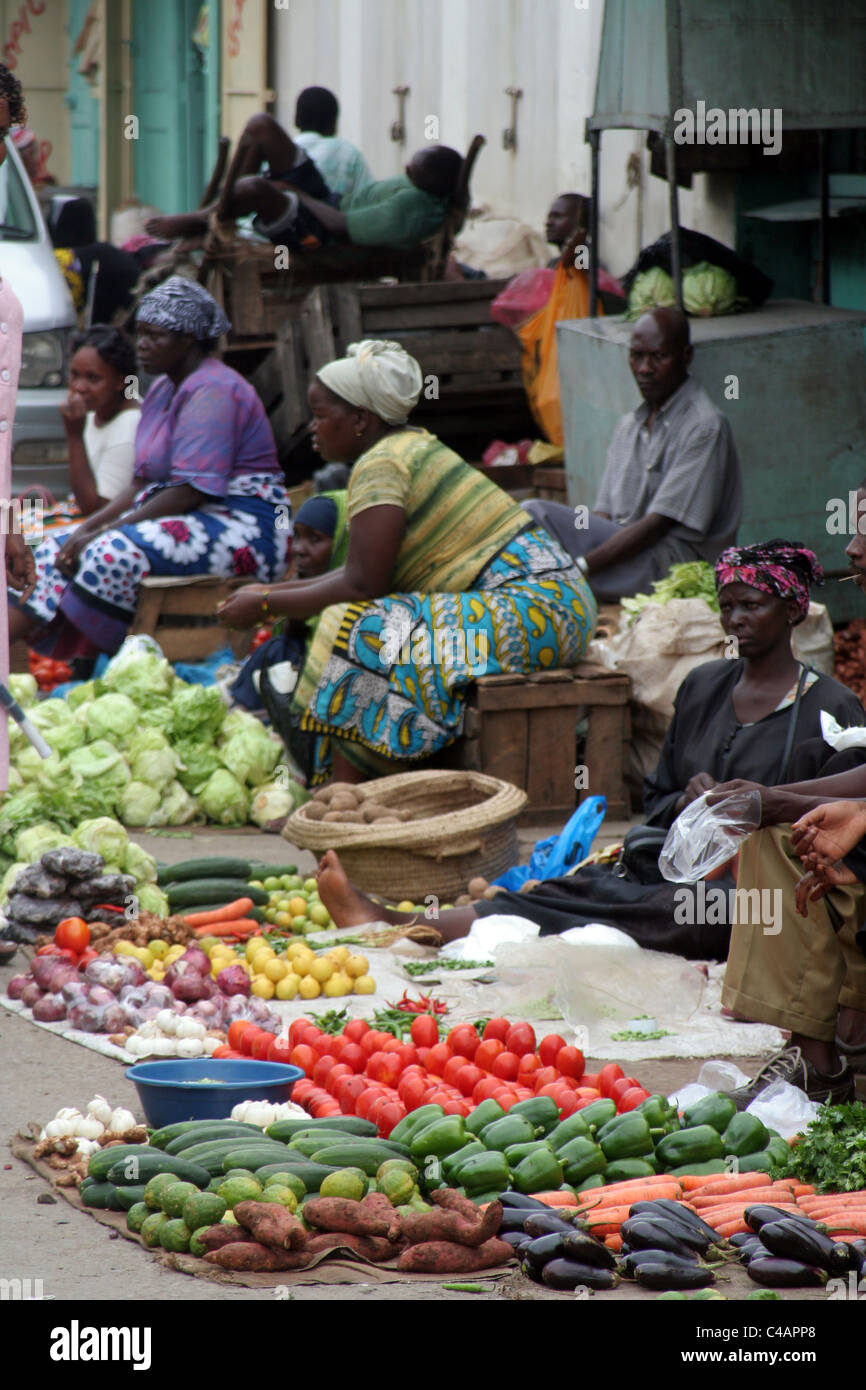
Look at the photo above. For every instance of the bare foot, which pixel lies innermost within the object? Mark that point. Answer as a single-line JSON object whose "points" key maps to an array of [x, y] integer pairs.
{"points": [[184, 224], [348, 907]]}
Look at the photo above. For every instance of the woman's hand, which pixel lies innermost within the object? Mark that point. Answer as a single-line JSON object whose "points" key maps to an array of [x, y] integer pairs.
{"points": [[775, 805], [69, 554], [814, 884], [244, 608], [827, 834], [73, 411], [20, 565], [695, 787]]}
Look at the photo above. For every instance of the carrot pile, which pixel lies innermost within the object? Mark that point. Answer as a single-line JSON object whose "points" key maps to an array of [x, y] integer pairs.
{"points": [[230, 921]]}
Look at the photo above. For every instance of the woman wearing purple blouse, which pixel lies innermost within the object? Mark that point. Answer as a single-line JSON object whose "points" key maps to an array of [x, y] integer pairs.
{"points": [[207, 496]]}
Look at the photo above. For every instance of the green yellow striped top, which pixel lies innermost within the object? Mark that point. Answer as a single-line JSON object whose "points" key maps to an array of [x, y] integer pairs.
{"points": [[456, 519]]}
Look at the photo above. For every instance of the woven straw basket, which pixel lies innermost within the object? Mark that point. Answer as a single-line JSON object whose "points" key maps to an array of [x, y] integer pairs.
{"points": [[468, 828]]}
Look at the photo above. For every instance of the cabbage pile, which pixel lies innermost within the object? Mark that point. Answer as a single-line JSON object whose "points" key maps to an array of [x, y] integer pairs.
{"points": [[708, 291], [142, 746]]}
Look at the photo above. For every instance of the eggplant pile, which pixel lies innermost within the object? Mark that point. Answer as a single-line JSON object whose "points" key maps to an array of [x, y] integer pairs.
{"points": [[665, 1245], [552, 1250], [789, 1251]]}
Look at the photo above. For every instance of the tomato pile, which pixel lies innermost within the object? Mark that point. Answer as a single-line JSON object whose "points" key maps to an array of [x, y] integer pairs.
{"points": [[47, 672], [72, 942], [376, 1076]]}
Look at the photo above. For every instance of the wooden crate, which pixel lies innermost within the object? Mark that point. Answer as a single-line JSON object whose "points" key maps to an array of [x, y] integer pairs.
{"points": [[524, 730], [180, 614]]}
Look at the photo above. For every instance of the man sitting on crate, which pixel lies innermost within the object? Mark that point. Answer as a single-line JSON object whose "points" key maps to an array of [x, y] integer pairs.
{"points": [[672, 488], [294, 206]]}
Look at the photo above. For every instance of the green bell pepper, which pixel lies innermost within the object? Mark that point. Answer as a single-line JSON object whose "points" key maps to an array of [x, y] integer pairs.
{"points": [[483, 1115], [695, 1145], [628, 1169], [598, 1113], [415, 1121], [700, 1170], [540, 1111], [572, 1128], [580, 1158], [716, 1109], [487, 1172], [439, 1139], [745, 1135], [594, 1180], [658, 1113], [760, 1162], [453, 1161], [516, 1152], [538, 1172], [513, 1129], [628, 1136], [779, 1149]]}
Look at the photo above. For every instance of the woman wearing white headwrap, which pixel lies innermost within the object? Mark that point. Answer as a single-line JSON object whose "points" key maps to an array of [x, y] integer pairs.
{"points": [[446, 578]]}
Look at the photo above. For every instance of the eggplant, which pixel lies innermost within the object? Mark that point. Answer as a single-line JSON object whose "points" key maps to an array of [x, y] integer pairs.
{"points": [[752, 1250], [642, 1234], [586, 1250], [518, 1200], [741, 1238], [660, 1275], [512, 1222], [542, 1249], [633, 1262], [568, 1274], [533, 1274], [516, 1239], [545, 1223], [762, 1213], [777, 1273], [666, 1206], [792, 1241]]}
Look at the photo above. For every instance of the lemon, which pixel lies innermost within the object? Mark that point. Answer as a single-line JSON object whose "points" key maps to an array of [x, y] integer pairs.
{"points": [[338, 985], [288, 986], [124, 948], [355, 966], [319, 914], [261, 958], [364, 984], [322, 969], [406, 906], [339, 954], [296, 948], [253, 946], [157, 947], [297, 906], [172, 953], [262, 987], [276, 969], [303, 964], [309, 988], [298, 924], [282, 919]]}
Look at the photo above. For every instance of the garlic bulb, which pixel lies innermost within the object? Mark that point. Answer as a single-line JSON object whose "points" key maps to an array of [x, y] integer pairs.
{"points": [[86, 1147], [66, 1123], [101, 1110], [163, 1047], [210, 1045], [190, 1047], [121, 1121], [166, 1021], [88, 1127]]}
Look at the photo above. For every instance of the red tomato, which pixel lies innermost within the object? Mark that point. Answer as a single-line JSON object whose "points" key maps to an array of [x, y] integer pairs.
{"points": [[392, 1045], [248, 1038], [523, 1092], [352, 1056], [424, 1056], [349, 1088], [374, 1042], [506, 1066], [457, 1107], [589, 1080], [280, 1050], [553, 1090], [356, 1029], [632, 1098], [408, 1054], [548, 1048], [411, 1089], [487, 1053], [607, 1076], [338, 1043], [391, 1114], [560, 1091], [87, 955], [584, 1101], [63, 953], [496, 1028], [505, 1098], [302, 1056], [262, 1046], [439, 1055], [72, 934], [451, 1068], [384, 1067], [619, 1088], [485, 1089], [425, 1031], [570, 1061], [544, 1078], [568, 1104], [592, 1092], [297, 1030], [365, 1100], [52, 949], [520, 1038], [468, 1078], [529, 1064], [302, 1090], [464, 1040], [322, 1045], [227, 1052], [322, 1068]]}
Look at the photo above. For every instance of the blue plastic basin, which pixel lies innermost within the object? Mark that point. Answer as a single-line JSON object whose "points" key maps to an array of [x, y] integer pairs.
{"points": [[173, 1090]]}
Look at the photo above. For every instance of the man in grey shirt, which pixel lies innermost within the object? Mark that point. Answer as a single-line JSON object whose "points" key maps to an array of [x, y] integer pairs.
{"points": [[672, 488]]}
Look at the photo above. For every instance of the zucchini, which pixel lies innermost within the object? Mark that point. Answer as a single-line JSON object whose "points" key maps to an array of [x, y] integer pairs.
{"points": [[214, 891], [101, 1195], [254, 1157], [100, 1163], [284, 1130], [366, 1154], [140, 1168], [214, 866], [128, 1196], [210, 1133], [312, 1175]]}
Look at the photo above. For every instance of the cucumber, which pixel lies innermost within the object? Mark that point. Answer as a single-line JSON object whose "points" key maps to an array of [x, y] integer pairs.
{"points": [[258, 869], [366, 1154], [211, 1156], [213, 891], [128, 1197], [214, 866], [140, 1168], [210, 1133], [306, 1145], [100, 1163], [102, 1195], [312, 1175], [255, 1157], [348, 1124], [160, 1137]]}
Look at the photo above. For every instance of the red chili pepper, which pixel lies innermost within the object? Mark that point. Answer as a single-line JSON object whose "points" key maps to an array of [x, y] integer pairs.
{"points": [[108, 907], [424, 1004]]}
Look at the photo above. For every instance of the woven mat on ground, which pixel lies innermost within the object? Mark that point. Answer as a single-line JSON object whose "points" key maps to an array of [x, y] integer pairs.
{"points": [[330, 1267]]}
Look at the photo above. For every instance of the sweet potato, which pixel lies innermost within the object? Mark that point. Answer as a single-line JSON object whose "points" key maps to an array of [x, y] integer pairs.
{"points": [[451, 1200], [218, 1236], [250, 1255], [271, 1224], [342, 1214], [424, 1226], [373, 1248], [377, 1204], [444, 1257]]}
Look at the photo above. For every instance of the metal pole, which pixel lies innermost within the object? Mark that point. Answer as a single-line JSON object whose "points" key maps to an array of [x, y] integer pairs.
{"points": [[674, 206], [824, 224], [594, 142]]}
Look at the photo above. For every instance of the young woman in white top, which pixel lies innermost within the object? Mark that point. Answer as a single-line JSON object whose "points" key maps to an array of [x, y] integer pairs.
{"points": [[99, 416]]}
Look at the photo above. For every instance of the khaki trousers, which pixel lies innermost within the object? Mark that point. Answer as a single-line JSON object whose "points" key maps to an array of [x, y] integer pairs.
{"points": [[795, 978]]}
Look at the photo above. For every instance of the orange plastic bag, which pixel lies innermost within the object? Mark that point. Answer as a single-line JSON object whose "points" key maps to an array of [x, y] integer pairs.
{"points": [[569, 299]]}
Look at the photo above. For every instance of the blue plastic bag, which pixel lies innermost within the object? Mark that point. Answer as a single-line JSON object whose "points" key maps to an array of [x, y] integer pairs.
{"points": [[554, 856]]}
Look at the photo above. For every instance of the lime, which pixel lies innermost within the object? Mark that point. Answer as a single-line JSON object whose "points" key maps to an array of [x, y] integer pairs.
{"points": [[319, 914], [310, 885], [287, 880], [271, 883], [298, 924]]}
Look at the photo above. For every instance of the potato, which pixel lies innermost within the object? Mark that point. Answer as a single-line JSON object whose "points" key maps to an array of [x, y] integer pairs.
{"points": [[324, 795], [315, 810], [477, 887], [374, 811], [463, 901], [340, 787], [332, 815], [490, 892], [349, 817], [344, 801]]}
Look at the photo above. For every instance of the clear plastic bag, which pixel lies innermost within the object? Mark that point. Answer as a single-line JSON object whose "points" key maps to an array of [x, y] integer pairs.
{"points": [[785, 1108], [705, 837]]}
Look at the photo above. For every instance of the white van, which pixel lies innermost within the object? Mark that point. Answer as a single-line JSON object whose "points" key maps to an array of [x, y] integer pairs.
{"points": [[27, 261]]}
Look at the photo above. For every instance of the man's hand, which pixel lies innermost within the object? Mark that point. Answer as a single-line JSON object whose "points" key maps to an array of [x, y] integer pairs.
{"points": [[695, 787], [814, 884], [244, 609], [20, 566], [827, 834], [775, 808]]}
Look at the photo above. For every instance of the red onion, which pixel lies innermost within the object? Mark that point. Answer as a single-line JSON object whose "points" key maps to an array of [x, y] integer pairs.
{"points": [[75, 992], [116, 1017], [49, 1009], [150, 1011], [31, 994], [52, 972], [17, 986], [100, 996], [86, 1017], [195, 957], [191, 987], [233, 980], [108, 972], [158, 994]]}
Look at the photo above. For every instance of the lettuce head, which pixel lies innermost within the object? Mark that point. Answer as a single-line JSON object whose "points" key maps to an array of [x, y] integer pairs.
{"points": [[197, 711], [223, 799], [103, 835], [137, 803], [112, 717]]}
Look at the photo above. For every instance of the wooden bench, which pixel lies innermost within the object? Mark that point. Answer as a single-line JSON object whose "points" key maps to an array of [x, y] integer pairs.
{"points": [[524, 729], [180, 614]]}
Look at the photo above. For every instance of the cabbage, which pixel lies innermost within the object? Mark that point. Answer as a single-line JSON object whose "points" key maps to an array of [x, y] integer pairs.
{"points": [[651, 289], [689, 579], [100, 765], [87, 690], [24, 689], [65, 736], [239, 720], [32, 843], [198, 711], [199, 761], [52, 775], [137, 803], [139, 863], [156, 713], [271, 802], [10, 876], [111, 717], [176, 807], [156, 767], [251, 755], [144, 740], [103, 836], [28, 763], [708, 291], [151, 899], [224, 800], [140, 675]]}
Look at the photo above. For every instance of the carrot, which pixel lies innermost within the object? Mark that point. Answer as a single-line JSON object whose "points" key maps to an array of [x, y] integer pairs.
{"points": [[751, 1195], [605, 1223], [614, 1243], [735, 1227], [717, 1216], [616, 1194], [692, 1182], [238, 926], [845, 1220], [239, 908], [556, 1199], [737, 1182], [803, 1189]]}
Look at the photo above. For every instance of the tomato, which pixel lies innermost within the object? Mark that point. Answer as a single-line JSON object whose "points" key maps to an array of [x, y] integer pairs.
{"points": [[451, 1068], [529, 1064], [383, 1067], [248, 1038], [487, 1052], [365, 1100], [408, 1054], [280, 1050], [52, 949], [302, 1056], [322, 1045], [588, 1091], [374, 1042], [589, 1080], [497, 1028], [633, 1097], [349, 1088], [485, 1089], [87, 955], [553, 1090], [72, 934], [392, 1045], [391, 1114], [297, 1030], [506, 1066], [411, 1090], [560, 1091], [425, 1031], [424, 1056], [326, 1108], [619, 1088], [584, 1101], [571, 1062], [568, 1104], [520, 1038], [353, 1057], [458, 1107], [439, 1055], [505, 1098], [464, 1040], [356, 1029], [607, 1076], [262, 1046], [544, 1078], [236, 1031], [302, 1090], [227, 1052], [338, 1042], [468, 1078], [322, 1068], [548, 1048], [335, 1076]]}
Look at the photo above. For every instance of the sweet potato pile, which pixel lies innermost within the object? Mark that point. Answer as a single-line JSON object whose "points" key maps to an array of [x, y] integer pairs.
{"points": [[454, 1238]]}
